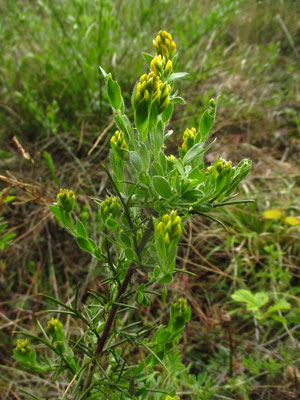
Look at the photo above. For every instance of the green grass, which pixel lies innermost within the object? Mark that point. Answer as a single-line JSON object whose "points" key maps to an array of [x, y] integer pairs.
{"points": [[52, 99]]}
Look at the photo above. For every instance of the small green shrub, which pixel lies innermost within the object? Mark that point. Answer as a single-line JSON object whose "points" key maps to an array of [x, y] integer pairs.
{"points": [[150, 197]]}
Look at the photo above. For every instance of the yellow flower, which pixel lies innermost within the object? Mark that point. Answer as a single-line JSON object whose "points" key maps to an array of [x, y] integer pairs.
{"points": [[164, 45], [23, 346], [66, 200], [188, 139], [53, 326]]}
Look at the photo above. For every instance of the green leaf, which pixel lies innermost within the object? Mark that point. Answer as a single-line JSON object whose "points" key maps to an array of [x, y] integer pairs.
{"points": [[112, 224], [166, 115], [85, 244], [125, 239], [192, 195], [135, 161], [162, 186], [178, 100], [62, 217], [130, 254], [139, 297], [253, 301], [159, 137], [141, 119], [162, 337], [58, 212], [166, 279], [280, 304], [195, 151], [156, 168], [153, 117], [205, 125], [278, 318], [148, 58], [176, 75], [80, 228], [144, 155], [114, 93], [197, 175]]}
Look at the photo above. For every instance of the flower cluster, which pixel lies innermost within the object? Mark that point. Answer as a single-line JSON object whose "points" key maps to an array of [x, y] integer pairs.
{"points": [[153, 90], [221, 167], [23, 346], [169, 227], [110, 206], [160, 66], [118, 140], [66, 200], [188, 139], [53, 326], [164, 45], [181, 306]]}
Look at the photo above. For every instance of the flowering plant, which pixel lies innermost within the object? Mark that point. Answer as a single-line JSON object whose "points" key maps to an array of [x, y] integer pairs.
{"points": [[150, 198]]}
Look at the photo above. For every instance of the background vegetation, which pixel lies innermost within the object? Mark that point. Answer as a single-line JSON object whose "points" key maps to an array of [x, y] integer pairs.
{"points": [[55, 126]]}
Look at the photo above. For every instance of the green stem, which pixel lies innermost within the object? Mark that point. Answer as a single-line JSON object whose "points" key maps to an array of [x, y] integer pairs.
{"points": [[111, 317]]}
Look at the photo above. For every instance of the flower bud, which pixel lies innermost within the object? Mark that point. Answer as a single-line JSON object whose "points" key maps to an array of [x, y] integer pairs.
{"points": [[212, 103], [110, 207], [146, 88], [66, 200], [23, 346], [168, 67], [157, 64], [212, 108], [118, 140], [221, 167], [170, 227], [188, 139], [181, 306], [164, 45], [53, 326]]}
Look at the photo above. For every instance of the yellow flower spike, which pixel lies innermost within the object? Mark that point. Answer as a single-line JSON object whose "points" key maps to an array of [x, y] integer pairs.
{"points": [[23, 346], [119, 141], [164, 105], [164, 51], [164, 45], [53, 326], [149, 88], [110, 206], [66, 200], [188, 139], [170, 227]]}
